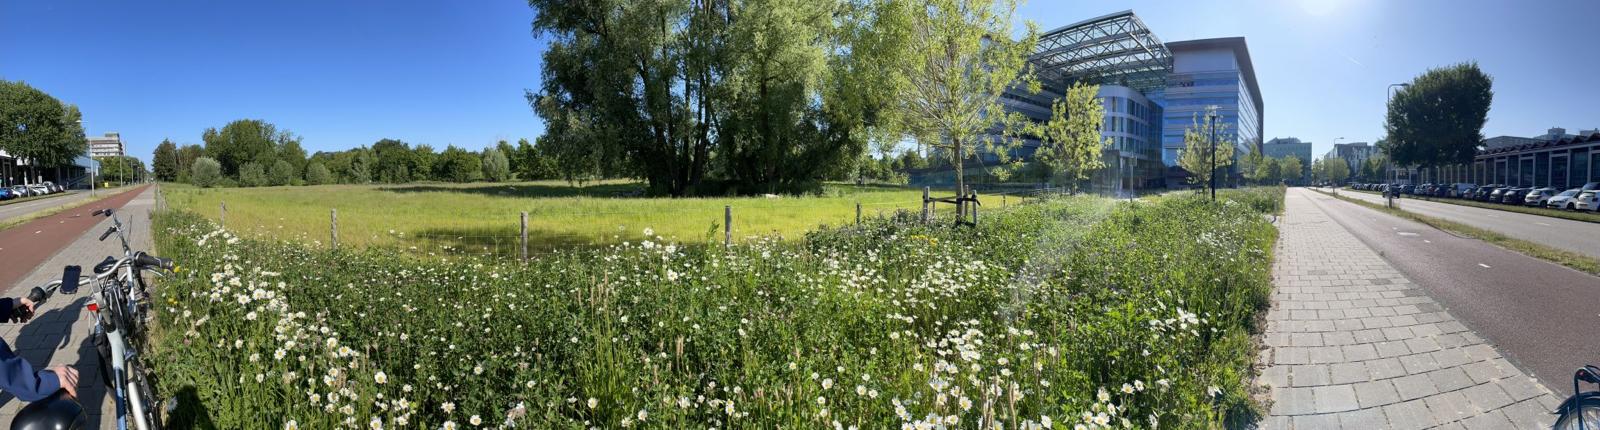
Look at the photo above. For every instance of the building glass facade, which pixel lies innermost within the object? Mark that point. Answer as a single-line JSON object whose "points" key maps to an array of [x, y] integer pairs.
{"points": [[1211, 72]]}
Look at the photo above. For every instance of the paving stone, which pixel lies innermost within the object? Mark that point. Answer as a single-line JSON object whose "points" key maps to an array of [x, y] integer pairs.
{"points": [[1487, 397], [1293, 401], [1409, 415], [1335, 398], [1450, 379], [1319, 421], [1348, 373], [1309, 375], [1376, 393], [1492, 420], [1520, 388], [1415, 387], [1385, 368], [1360, 352], [1449, 407]]}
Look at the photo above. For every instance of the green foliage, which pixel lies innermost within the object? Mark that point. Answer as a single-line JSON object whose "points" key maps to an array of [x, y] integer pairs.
{"points": [[530, 163], [1208, 148], [243, 141], [206, 172], [1070, 141], [954, 71], [394, 162], [1055, 300], [36, 126], [1269, 171], [1439, 118], [187, 154], [496, 168], [318, 174], [251, 174], [281, 173], [165, 161], [120, 169], [422, 162], [459, 165], [1291, 168]]}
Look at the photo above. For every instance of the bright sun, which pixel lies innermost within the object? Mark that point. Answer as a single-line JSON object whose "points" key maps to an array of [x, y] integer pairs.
{"points": [[1320, 7]]}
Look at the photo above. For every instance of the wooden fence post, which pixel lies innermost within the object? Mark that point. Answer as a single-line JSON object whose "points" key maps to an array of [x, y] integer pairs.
{"points": [[333, 226], [524, 236], [223, 220], [924, 205], [727, 225], [858, 213], [974, 209]]}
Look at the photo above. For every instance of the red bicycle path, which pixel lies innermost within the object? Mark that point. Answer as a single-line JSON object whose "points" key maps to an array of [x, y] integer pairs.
{"points": [[26, 246]]}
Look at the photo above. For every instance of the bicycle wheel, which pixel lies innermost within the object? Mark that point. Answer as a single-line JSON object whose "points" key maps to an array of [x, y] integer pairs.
{"points": [[142, 392], [1588, 409]]}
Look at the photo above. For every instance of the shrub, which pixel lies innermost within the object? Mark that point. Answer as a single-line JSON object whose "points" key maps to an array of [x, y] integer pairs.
{"points": [[496, 168], [318, 174], [1070, 310], [252, 175], [205, 172], [282, 173]]}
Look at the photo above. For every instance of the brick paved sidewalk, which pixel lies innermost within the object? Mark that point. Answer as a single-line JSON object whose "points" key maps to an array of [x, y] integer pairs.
{"points": [[1353, 344], [59, 332]]}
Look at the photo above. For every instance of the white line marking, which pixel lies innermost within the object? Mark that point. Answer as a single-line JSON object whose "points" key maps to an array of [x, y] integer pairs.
{"points": [[1484, 265], [1543, 224], [1426, 241], [1406, 233]]}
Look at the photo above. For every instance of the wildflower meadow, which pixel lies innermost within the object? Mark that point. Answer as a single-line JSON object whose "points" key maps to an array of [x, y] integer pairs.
{"points": [[1072, 312]]}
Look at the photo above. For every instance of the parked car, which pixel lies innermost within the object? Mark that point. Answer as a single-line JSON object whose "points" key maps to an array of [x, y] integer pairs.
{"points": [[1588, 200], [1514, 195], [6, 194], [1495, 193], [1590, 186], [51, 187], [1538, 196], [39, 189], [22, 190], [1565, 200], [1463, 189], [1486, 192]]}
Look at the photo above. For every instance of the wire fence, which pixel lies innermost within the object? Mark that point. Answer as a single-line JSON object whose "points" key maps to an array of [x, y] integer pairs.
{"points": [[516, 238]]}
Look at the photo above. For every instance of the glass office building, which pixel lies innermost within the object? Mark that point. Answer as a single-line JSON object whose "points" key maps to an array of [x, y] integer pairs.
{"points": [[1211, 72]]}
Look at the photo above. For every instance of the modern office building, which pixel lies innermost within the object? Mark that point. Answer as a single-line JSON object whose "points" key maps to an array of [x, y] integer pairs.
{"points": [[109, 145], [1151, 90], [1555, 159], [1353, 153], [1211, 72]]}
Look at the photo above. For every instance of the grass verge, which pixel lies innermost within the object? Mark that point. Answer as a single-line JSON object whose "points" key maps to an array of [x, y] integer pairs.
{"points": [[1076, 310], [1576, 261], [1593, 217]]}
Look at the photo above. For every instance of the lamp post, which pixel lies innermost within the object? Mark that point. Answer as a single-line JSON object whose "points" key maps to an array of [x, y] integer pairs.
{"points": [[1387, 160], [1212, 119]]}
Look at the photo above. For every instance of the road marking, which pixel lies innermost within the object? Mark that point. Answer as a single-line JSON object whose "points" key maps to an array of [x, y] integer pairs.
{"points": [[1426, 241], [1484, 265], [1406, 233], [1543, 224]]}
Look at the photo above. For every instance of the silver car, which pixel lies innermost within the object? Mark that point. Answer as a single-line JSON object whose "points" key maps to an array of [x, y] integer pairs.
{"points": [[1566, 200]]}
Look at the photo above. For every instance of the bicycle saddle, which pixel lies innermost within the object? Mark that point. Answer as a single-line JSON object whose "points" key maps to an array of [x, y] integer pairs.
{"points": [[56, 412], [105, 265]]}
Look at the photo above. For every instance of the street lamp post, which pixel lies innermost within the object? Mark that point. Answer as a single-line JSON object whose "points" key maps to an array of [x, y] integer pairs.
{"points": [[1213, 125]]}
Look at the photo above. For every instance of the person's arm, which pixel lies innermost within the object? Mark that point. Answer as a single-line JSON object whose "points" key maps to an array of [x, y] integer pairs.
{"points": [[19, 378], [6, 306]]}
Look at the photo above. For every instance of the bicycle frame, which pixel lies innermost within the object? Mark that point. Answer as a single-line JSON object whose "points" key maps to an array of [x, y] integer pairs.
{"points": [[109, 307]]}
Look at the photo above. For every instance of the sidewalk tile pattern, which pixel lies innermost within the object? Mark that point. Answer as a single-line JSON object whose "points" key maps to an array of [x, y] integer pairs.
{"points": [[1351, 343]]}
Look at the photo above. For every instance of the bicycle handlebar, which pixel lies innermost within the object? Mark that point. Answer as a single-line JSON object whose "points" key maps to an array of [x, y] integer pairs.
{"points": [[150, 261], [107, 234]]}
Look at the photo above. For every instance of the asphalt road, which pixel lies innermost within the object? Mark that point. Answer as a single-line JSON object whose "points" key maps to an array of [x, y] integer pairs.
{"points": [[1576, 236], [15, 210], [1543, 316]]}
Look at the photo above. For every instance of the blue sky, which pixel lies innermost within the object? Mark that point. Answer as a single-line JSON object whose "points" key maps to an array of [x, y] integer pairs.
{"points": [[347, 73]]}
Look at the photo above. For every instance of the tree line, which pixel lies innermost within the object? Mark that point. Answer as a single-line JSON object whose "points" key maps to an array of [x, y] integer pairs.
{"points": [[254, 153]]}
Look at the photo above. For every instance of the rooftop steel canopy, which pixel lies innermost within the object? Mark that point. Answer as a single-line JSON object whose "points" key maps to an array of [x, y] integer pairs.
{"points": [[1111, 49]]}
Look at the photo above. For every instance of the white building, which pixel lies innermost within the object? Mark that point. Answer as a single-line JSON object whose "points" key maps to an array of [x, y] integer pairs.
{"points": [[108, 146]]}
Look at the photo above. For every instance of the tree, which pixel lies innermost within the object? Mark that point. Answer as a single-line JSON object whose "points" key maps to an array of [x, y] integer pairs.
{"points": [[1249, 163], [289, 150], [122, 169], [1438, 119], [281, 173], [459, 165], [1070, 142], [496, 168], [1292, 169], [960, 59], [1337, 170], [244, 141], [1198, 156], [422, 160], [187, 154], [165, 161], [530, 164], [318, 174], [394, 161], [1268, 171], [207, 172], [251, 174], [37, 127]]}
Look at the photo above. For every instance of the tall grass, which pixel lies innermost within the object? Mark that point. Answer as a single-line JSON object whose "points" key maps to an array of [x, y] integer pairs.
{"points": [[486, 216], [1068, 311]]}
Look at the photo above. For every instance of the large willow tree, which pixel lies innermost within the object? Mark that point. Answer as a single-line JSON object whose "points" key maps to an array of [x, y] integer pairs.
{"points": [[772, 95]]}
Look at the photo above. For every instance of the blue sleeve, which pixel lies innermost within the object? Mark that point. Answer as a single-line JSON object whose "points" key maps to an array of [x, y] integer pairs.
{"points": [[6, 306], [18, 377]]}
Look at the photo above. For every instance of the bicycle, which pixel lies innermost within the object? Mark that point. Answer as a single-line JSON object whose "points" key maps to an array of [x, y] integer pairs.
{"points": [[119, 307], [1582, 410]]}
